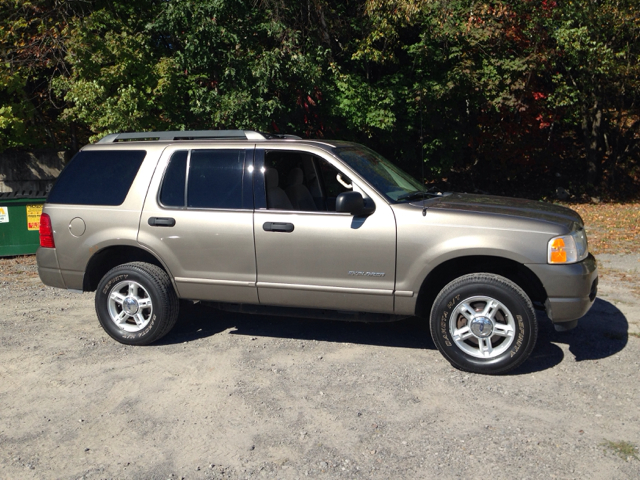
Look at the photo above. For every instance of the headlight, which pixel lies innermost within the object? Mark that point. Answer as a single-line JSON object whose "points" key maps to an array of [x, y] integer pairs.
{"points": [[570, 248]]}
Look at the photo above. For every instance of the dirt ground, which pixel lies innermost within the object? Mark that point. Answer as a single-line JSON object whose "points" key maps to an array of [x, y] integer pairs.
{"points": [[232, 396]]}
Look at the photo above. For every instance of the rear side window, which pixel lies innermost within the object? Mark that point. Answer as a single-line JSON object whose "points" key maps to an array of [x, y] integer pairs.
{"points": [[214, 179], [173, 186], [97, 178]]}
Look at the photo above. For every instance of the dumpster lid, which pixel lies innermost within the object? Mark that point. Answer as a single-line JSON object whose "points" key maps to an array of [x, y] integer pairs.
{"points": [[23, 194]]}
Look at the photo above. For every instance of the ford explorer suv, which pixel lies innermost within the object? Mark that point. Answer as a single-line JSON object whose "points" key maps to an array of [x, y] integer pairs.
{"points": [[276, 224]]}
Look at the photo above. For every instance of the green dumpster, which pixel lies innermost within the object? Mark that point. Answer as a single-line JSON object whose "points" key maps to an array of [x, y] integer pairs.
{"points": [[20, 222]]}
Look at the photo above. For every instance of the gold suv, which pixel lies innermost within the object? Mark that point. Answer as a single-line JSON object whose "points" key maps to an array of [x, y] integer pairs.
{"points": [[277, 224]]}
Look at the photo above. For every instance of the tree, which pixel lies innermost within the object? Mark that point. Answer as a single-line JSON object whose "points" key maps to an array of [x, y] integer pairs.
{"points": [[595, 76], [490, 94], [32, 38]]}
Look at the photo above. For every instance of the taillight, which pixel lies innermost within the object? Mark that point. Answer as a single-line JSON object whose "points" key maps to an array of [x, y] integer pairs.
{"points": [[46, 232]]}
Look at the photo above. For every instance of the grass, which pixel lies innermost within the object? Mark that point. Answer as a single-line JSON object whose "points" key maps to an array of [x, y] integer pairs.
{"points": [[625, 450]]}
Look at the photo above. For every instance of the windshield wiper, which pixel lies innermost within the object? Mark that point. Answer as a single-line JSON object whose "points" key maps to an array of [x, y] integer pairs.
{"points": [[417, 195]]}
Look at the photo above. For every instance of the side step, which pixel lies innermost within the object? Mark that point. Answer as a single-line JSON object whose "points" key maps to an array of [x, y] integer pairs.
{"points": [[340, 315]]}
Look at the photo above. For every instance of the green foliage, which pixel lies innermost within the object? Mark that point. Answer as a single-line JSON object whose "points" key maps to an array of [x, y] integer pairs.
{"points": [[491, 94], [625, 450], [32, 50], [118, 82], [596, 81], [244, 68], [13, 114]]}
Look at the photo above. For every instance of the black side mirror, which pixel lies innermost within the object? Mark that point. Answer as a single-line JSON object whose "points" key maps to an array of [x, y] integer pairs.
{"points": [[354, 203]]}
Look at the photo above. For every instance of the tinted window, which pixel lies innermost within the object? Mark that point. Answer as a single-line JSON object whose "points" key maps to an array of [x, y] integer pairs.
{"points": [[173, 185], [388, 179], [329, 175], [215, 179], [97, 178]]}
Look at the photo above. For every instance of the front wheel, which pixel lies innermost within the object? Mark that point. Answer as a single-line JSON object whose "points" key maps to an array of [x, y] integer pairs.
{"points": [[136, 303], [483, 323]]}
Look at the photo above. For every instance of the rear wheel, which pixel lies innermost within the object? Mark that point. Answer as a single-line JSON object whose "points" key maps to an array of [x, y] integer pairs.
{"points": [[484, 323], [136, 303]]}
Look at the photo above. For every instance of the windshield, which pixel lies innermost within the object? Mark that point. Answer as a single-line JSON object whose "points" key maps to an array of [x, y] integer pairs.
{"points": [[395, 184]]}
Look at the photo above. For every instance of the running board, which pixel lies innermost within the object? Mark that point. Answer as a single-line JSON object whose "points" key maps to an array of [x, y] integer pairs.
{"points": [[340, 315]]}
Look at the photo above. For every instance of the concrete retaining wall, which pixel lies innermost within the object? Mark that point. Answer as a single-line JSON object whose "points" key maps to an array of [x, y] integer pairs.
{"points": [[35, 170]]}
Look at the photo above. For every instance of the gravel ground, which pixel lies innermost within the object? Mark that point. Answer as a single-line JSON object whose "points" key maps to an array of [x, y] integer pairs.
{"points": [[233, 396]]}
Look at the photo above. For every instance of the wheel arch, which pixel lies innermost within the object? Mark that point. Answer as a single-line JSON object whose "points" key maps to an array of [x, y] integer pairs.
{"points": [[107, 258], [451, 269]]}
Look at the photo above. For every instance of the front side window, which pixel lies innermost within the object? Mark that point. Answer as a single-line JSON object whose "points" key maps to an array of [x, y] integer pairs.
{"points": [[204, 179], [300, 181], [330, 175]]}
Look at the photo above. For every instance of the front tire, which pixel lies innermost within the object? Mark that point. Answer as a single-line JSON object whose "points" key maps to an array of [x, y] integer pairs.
{"points": [[136, 303], [483, 323]]}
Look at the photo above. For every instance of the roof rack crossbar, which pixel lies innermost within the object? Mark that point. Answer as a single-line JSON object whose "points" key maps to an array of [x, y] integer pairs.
{"points": [[183, 135]]}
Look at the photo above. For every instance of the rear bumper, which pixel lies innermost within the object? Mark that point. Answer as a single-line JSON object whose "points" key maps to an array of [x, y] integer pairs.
{"points": [[571, 289], [48, 268]]}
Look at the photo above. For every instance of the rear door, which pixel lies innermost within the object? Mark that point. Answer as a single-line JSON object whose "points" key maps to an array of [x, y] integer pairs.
{"points": [[198, 218]]}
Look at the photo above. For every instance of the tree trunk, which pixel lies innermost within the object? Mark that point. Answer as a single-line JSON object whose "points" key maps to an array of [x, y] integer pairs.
{"points": [[592, 133], [74, 139]]}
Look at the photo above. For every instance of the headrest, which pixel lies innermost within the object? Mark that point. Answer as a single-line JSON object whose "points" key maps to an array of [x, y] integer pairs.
{"points": [[295, 177], [271, 177]]}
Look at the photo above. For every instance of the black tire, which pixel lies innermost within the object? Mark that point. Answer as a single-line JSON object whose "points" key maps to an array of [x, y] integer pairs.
{"points": [[484, 323], [136, 303]]}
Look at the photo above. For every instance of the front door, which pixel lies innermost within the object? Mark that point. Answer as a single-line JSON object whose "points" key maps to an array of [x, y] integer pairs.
{"points": [[316, 257]]}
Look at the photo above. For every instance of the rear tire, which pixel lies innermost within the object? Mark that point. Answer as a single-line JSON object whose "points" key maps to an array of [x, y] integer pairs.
{"points": [[483, 323], [136, 303]]}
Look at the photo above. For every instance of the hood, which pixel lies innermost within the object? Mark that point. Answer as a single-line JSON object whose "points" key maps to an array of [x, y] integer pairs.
{"points": [[504, 206]]}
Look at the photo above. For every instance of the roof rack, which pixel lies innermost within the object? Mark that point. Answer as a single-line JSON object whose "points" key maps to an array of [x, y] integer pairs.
{"points": [[279, 136], [192, 135]]}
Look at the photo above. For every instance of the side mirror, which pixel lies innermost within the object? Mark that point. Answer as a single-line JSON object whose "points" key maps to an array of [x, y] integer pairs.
{"points": [[354, 203]]}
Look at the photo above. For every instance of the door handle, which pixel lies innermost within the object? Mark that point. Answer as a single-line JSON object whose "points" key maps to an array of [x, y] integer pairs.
{"points": [[162, 221], [277, 227]]}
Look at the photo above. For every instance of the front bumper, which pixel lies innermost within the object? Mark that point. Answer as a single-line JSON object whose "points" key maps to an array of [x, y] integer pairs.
{"points": [[571, 289]]}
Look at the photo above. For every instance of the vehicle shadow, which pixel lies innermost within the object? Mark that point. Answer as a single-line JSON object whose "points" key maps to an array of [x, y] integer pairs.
{"points": [[603, 332], [200, 321], [600, 334]]}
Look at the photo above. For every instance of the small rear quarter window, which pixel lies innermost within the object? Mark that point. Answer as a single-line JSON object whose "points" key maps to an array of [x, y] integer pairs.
{"points": [[97, 177]]}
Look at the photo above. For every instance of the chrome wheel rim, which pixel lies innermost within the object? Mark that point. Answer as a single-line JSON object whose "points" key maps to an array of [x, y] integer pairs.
{"points": [[130, 306], [482, 327]]}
